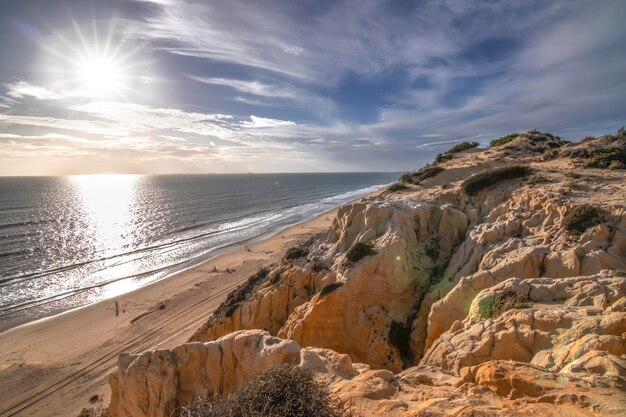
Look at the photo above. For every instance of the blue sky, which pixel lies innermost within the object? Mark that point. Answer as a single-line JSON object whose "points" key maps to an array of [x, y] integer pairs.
{"points": [[172, 86]]}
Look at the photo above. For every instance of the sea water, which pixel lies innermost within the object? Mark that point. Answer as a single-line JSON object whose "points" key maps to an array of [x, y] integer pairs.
{"points": [[69, 241]]}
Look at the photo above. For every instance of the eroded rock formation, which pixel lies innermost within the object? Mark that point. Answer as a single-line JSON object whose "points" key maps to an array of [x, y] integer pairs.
{"points": [[512, 298]]}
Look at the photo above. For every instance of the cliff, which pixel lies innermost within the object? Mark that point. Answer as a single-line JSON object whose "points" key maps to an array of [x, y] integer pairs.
{"points": [[489, 280]]}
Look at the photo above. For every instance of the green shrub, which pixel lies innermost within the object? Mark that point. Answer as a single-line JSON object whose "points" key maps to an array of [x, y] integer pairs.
{"points": [[492, 307], [604, 157], [503, 140], [296, 252], [582, 217], [360, 250], [443, 157], [398, 186], [282, 390], [421, 175], [484, 179], [330, 288], [460, 147]]}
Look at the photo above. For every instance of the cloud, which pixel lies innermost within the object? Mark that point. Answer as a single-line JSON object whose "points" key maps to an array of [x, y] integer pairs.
{"points": [[262, 122], [250, 87], [351, 84], [21, 89]]}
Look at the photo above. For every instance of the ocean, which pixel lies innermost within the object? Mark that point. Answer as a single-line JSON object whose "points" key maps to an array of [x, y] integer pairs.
{"points": [[70, 241]]}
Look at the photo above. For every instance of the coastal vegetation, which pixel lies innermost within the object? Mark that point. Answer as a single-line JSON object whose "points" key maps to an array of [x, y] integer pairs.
{"points": [[493, 307], [503, 140], [419, 176], [296, 252], [396, 187], [484, 179], [360, 250], [611, 157], [459, 147], [283, 390], [463, 146], [581, 218]]}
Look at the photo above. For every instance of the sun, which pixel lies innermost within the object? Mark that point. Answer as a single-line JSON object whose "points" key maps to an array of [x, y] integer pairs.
{"points": [[100, 75]]}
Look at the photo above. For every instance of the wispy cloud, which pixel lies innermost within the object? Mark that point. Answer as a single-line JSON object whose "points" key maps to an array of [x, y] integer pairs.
{"points": [[21, 89]]}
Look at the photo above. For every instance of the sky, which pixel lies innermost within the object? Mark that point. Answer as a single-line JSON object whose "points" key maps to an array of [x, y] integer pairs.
{"points": [[173, 86]]}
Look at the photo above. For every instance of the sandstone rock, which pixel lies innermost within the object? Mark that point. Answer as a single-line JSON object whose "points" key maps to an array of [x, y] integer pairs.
{"points": [[598, 362], [155, 383], [492, 287], [528, 325]]}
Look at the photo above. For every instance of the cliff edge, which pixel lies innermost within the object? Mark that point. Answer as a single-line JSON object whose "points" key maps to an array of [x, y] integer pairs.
{"points": [[490, 281]]}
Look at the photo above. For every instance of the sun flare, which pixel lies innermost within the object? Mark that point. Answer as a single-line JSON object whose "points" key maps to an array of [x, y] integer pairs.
{"points": [[101, 75]]}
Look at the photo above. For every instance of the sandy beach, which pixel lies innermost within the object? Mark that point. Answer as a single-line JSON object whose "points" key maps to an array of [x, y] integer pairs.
{"points": [[59, 365]]}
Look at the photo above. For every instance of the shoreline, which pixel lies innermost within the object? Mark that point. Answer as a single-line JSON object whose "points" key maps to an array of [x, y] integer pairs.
{"points": [[17, 321], [56, 364]]}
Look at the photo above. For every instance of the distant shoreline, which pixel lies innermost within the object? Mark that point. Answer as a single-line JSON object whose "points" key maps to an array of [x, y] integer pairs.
{"points": [[13, 322], [150, 266], [56, 364]]}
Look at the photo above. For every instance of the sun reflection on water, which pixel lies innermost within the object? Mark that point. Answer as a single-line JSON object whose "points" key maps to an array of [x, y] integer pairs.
{"points": [[109, 203]]}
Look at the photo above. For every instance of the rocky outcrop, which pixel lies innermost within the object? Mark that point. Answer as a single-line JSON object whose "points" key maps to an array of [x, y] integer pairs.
{"points": [[156, 383], [351, 307], [502, 301], [539, 320]]}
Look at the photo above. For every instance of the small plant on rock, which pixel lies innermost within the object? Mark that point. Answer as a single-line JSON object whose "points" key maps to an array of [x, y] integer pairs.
{"points": [[492, 307], [360, 250], [330, 288], [582, 217], [296, 252]]}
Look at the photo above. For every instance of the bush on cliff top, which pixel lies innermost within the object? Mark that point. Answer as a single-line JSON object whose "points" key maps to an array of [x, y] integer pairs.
{"points": [[484, 179], [459, 147], [421, 175], [604, 157], [463, 146], [397, 186], [503, 140], [282, 390]]}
